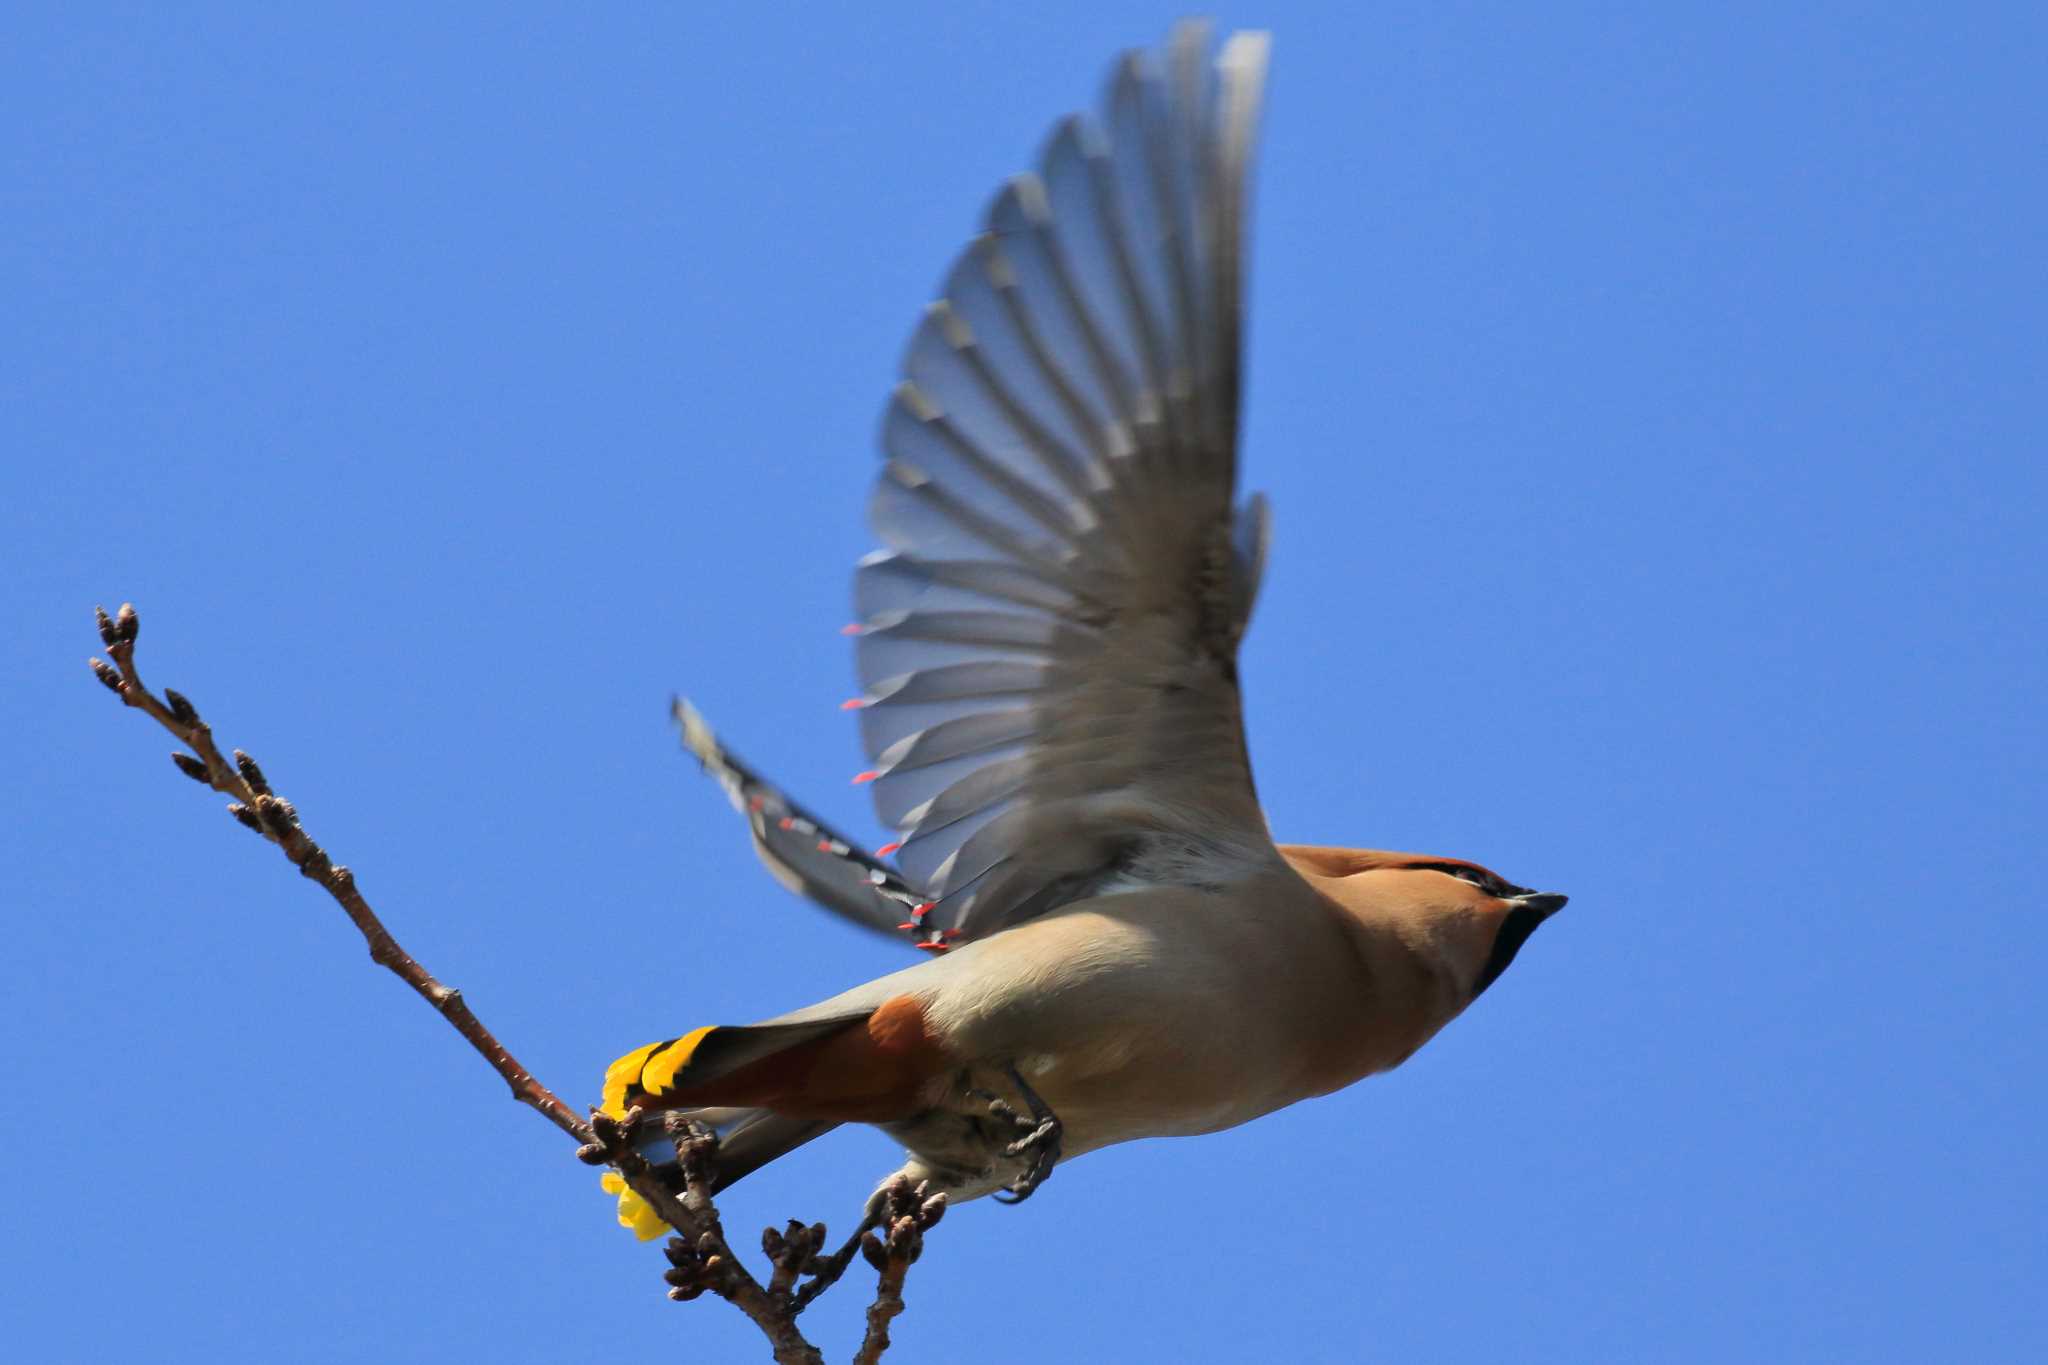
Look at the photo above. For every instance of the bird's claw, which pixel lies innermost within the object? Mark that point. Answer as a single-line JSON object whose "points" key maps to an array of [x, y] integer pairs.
{"points": [[1038, 1137], [1000, 1108], [1046, 1134]]}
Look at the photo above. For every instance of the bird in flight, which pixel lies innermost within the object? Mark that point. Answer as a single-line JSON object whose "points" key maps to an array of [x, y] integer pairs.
{"points": [[1115, 947]]}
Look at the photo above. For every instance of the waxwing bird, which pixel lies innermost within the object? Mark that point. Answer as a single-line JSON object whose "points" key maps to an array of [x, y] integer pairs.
{"points": [[1114, 946]]}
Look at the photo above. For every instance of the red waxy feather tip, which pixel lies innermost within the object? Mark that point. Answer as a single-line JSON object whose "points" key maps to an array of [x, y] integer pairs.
{"points": [[886, 849], [868, 776]]}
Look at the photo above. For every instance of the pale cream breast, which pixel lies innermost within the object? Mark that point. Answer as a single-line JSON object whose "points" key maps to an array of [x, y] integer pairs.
{"points": [[1171, 1010]]}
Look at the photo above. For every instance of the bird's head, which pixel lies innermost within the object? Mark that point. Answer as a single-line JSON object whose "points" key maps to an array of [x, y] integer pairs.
{"points": [[1473, 919]]}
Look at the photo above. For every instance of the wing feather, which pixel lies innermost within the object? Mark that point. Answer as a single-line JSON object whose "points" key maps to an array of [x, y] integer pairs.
{"points": [[1047, 648], [801, 851]]}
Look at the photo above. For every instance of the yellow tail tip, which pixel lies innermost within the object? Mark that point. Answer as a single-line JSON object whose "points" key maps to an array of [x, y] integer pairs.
{"points": [[649, 1070], [660, 1072], [622, 1075]]}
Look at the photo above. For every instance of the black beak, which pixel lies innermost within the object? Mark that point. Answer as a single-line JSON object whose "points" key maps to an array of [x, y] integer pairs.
{"points": [[1544, 903]]}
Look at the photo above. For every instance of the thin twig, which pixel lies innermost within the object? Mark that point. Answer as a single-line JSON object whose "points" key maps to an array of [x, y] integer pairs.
{"points": [[910, 1212], [888, 1303], [276, 820]]}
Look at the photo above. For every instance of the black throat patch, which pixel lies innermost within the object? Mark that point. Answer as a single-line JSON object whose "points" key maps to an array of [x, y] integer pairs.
{"points": [[1514, 932]]}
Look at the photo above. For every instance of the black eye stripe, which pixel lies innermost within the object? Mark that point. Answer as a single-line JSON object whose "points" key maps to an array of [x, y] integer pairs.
{"points": [[1461, 872], [1485, 881]]}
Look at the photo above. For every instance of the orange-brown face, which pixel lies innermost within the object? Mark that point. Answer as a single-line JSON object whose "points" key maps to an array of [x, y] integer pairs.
{"points": [[1483, 917]]}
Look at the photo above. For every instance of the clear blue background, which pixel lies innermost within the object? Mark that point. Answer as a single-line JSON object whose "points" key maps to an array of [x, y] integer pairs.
{"points": [[1651, 405]]}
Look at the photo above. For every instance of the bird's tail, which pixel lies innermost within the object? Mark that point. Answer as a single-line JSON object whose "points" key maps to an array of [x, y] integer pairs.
{"points": [[714, 1075], [719, 1065]]}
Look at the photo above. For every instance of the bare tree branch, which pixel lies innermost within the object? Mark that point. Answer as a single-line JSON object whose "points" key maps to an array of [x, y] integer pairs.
{"points": [[700, 1258]]}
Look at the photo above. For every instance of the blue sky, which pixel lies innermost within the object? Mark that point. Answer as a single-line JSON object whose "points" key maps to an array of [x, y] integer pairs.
{"points": [[1651, 408]]}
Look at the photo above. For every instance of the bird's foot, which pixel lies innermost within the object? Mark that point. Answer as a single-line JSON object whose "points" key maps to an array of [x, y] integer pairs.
{"points": [[1038, 1137]]}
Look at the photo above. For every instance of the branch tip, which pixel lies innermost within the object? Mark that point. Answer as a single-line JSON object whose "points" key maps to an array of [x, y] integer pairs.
{"points": [[192, 768], [105, 672]]}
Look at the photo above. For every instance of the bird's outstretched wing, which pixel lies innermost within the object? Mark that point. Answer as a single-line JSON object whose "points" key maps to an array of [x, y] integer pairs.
{"points": [[801, 851], [1047, 646]]}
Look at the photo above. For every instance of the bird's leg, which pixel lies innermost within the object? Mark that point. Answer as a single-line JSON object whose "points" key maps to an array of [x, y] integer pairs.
{"points": [[1039, 1136]]}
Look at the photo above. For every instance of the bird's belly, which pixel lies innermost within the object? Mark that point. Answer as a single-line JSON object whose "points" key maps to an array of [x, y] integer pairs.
{"points": [[1139, 1015], [1100, 1105]]}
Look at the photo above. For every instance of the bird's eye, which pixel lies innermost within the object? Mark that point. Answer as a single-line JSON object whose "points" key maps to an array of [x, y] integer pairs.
{"points": [[1479, 877]]}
